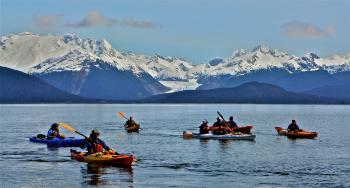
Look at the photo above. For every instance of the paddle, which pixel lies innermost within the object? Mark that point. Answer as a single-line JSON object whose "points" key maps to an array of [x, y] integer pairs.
{"points": [[68, 127], [222, 117], [225, 122], [122, 114]]}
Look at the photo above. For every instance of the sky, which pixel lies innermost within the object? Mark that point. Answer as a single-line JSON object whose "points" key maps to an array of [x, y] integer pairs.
{"points": [[196, 30]]}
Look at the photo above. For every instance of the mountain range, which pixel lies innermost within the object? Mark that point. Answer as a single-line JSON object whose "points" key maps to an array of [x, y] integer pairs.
{"points": [[94, 69]]}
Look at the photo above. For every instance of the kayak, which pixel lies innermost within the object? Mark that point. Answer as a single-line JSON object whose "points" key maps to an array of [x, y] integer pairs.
{"points": [[244, 129], [219, 137], [135, 128], [58, 142], [101, 158], [296, 134]]}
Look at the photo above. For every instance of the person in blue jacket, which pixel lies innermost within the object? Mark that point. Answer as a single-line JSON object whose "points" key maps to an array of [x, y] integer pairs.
{"points": [[293, 126], [95, 145], [54, 132]]}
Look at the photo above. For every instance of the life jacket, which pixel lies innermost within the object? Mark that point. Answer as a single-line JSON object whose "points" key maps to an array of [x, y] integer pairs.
{"points": [[97, 148]]}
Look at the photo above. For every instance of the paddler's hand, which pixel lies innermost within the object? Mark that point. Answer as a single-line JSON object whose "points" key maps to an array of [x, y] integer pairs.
{"points": [[111, 152]]}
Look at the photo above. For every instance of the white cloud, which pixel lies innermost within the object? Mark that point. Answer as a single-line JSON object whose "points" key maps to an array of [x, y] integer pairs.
{"points": [[303, 29], [96, 19], [130, 22]]}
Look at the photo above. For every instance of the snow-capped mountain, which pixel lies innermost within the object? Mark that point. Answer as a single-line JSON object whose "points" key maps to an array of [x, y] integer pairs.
{"points": [[263, 58], [35, 49], [85, 67], [271, 66], [71, 63]]}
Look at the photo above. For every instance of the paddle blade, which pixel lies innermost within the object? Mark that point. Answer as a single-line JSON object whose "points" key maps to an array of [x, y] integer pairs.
{"points": [[122, 115], [66, 126]]}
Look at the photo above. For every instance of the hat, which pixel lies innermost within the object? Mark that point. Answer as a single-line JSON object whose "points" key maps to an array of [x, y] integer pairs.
{"points": [[95, 132], [54, 126]]}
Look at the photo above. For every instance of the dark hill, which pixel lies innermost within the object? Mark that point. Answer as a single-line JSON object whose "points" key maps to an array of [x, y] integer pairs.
{"points": [[341, 92], [18, 87]]}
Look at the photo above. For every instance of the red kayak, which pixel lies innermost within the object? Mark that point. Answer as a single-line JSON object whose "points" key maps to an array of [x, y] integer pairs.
{"points": [[244, 130], [101, 158]]}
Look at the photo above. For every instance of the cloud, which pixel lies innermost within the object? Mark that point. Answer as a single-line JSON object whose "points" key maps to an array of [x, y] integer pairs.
{"points": [[46, 22], [303, 29], [130, 22], [96, 19]]}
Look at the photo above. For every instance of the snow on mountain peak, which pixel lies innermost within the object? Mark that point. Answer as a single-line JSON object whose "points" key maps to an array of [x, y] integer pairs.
{"points": [[260, 58], [70, 37], [35, 49], [262, 48], [239, 52], [311, 56]]}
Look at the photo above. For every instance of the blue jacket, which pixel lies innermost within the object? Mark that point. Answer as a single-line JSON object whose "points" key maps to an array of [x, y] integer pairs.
{"points": [[50, 134], [293, 127]]}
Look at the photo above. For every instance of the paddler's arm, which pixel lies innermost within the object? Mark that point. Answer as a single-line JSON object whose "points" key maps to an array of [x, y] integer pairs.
{"points": [[107, 148]]}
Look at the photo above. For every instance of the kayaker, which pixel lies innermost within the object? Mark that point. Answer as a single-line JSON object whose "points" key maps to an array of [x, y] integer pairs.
{"points": [[232, 124], [130, 122], [293, 126], [218, 122], [204, 128], [96, 145], [54, 132], [218, 127]]}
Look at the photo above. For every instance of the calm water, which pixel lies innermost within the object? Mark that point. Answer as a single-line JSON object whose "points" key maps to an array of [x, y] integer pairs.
{"points": [[167, 160]]}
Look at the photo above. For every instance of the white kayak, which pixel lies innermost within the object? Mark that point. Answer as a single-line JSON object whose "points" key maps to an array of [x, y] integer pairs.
{"points": [[219, 137]]}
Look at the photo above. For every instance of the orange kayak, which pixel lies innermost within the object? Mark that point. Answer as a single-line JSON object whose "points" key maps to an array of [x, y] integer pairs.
{"points": [[101, 158], [296, 134]]}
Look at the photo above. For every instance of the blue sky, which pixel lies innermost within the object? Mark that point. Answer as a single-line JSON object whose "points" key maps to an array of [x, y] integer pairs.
{"points": [[195, 30]]}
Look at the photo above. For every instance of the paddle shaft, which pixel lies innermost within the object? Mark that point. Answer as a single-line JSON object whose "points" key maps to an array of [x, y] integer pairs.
{"points": [[222, 117], [81, 134]]}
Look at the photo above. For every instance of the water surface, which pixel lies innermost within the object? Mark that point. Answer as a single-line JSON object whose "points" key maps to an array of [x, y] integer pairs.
{"points": [[167, 160]]}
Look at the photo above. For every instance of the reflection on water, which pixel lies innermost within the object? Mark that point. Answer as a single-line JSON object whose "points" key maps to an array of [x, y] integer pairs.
{"points": [[52, 149], [98, 174]]}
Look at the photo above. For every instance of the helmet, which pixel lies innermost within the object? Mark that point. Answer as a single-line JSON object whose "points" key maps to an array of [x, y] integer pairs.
{"points": [[231, 117], [54, 126], [205, 121], [95, 132]]}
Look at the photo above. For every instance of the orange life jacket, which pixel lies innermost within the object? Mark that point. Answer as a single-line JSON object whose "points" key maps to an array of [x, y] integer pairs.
{"points": [[97, 148]]}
